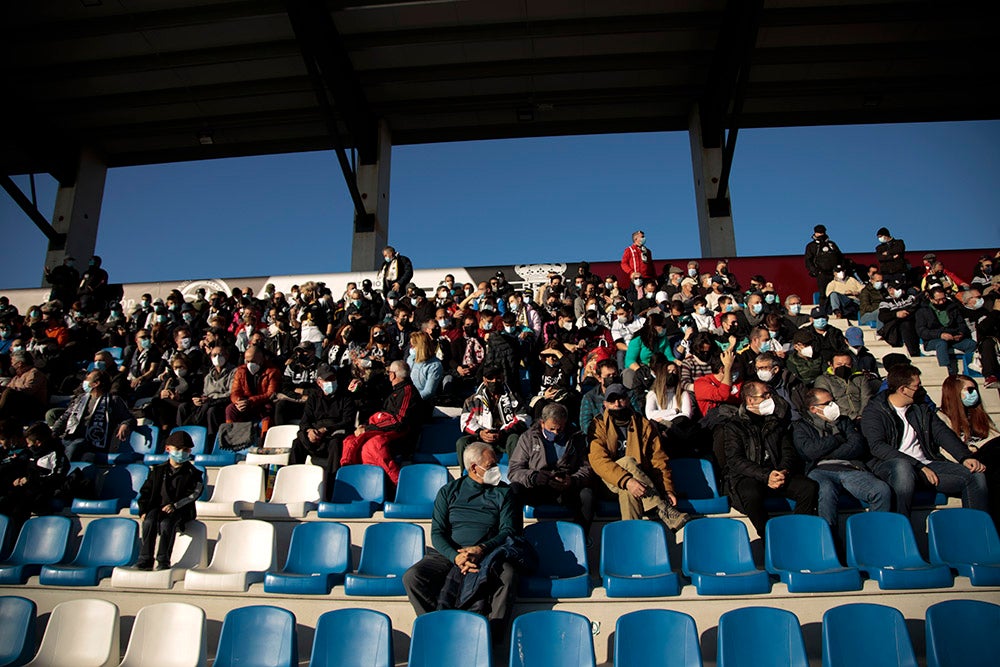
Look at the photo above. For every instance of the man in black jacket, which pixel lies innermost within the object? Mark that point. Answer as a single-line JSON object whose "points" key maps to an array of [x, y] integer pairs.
{"points": [[760, 459], [395, 274], [905, 437], [327, 418], [821, 256], [942, 327], [891, 254], [167, 501]]}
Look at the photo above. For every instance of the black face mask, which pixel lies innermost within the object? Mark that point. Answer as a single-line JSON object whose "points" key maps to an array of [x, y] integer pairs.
{"points": [[620, 414], [381, 338], [493, 386], [471, 330], [703, 355], [920, 395], [843, 372], [608, 381], [672, 380]]}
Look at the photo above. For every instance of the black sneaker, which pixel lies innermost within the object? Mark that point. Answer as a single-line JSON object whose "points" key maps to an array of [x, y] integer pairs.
{"points": [[144, 565], [163, 566]]}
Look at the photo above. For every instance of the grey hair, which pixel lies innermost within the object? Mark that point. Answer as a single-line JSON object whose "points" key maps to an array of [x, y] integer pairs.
{"points": [[400, 368], [473, 454], [555, 411]]}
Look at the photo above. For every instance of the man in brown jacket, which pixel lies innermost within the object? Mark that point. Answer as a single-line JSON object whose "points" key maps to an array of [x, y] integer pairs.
{"points": [[627, 454]]}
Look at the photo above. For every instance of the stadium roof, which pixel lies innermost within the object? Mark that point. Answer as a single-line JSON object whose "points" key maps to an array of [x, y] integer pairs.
{"points": [[155, 81]]}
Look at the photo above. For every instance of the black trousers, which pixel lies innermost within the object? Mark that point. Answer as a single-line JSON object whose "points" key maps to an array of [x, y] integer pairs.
{"points": [[578, 500], [748, 496], [158, 524], [325, 454]]}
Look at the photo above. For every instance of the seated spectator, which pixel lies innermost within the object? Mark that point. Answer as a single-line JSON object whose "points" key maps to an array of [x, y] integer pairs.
{"points": [[298, 382], [328, 417], [850, 388], [627, 454], [935, 275], [502, 349], [973, 308], [651, 339], [32, 483], [988, 335], [783, 383], [426, 369], [941, 326], [760, 458], [906, 437], [844, 293], [826, 338], [802, 360], [793, 311], [167, 501], [624, 328], [871, 296], [592, 403], [143, 364], [721, 386], [26, 395], [685, 296], [93, 420], [983, 277], [673, 411], [524, 313], [550, 466], [179, 387], [864, 360], [760, 342], [557, 380], [255, 385], [495, 414], [898, 316], [718, 289], [834, 452], [702, 347], [208, 408]]}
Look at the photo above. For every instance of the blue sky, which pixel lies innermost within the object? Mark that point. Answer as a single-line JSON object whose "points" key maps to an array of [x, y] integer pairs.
{"points": [[536, 200]]}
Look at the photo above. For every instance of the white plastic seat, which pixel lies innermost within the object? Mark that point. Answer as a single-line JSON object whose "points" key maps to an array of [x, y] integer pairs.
{"points": [[244, 552], [237, 488], [190, 550], [80, 633], [276, 437], [297, 490], [169, 634]]}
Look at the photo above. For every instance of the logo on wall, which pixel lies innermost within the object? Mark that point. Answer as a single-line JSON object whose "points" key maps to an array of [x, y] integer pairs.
{"points": [[189, 288], [537, 274]]}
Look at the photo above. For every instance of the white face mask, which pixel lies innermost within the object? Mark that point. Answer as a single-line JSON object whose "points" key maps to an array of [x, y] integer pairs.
{"points": [[839, 275], [218, 360], [831, 412], [766, 407], [692, 272], [252, 367], [637, 282], [568, 326], [807, 352], [492, 476], [765, 375]]}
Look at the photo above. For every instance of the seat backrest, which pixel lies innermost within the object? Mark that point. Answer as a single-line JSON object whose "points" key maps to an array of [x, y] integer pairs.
{"points": [[281, 436], [80, 632], [864, 634], [716, 545], [561, 548], [4, 525], [553, 639], [359, 482], [450, 638], [391, 548], [42, 541], [880, 539], [657, 637], [199, 436], [439, 435], [155, 635], [963, 633], [109, 541], [353, 637], [298, 483], [258, 636], [17, 630], [799, 542], [961, 535], [116, 482], [239, 482], [760, 636], [693, 478], [144, 439], [138, 472], [115, 352], [191, 546], [319, 546], [420, 482], [634, 548], [244, 546]]}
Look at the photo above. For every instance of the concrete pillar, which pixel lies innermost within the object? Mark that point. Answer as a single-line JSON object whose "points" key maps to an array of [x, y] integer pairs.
{"points": [[715, 218], [77, 212], [371, 235]]}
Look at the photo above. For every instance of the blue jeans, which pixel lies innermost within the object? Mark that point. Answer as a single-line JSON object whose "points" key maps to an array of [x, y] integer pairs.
{"points": [[848, 306], [954, 479], [943, 350], [859, 483], [868, 318]]}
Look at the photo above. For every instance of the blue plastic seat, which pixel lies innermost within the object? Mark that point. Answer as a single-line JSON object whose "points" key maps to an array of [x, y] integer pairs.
{"points": [[757, 636], [17, 630], [418, 487], [42, 541], [717, 558], [199, 436], [4, 525], [139, 474], [635, 562], [450, 638], [216, 457], [562, 561], [107, 543], [358, 492], [695, 487], [119, 486], [388, 551], [660, 637], [352, 637], [882, 545], [436, 443], [142, 440], [258, 636], [551, 639], [115, 352], [547, 512], [318, 557], [965, 540], [866, 635], [963, 633], [799, 549]]}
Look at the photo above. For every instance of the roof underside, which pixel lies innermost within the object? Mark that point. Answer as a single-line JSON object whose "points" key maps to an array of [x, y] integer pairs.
{"points": [[147, 81]]}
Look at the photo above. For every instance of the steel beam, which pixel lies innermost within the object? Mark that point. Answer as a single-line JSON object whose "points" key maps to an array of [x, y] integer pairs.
{"points": [[55, 238]]}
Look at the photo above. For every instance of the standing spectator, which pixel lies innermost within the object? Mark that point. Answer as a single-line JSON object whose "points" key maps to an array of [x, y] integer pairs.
{"points": [[941, 326], [92, 286], [637, 260], [822, 255], [65, 280], [898, 315], [395, 273], [891, 255]]}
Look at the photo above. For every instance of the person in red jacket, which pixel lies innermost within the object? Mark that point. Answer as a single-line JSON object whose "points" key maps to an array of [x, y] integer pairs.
{"points": [[255, 384], [637, 260]]}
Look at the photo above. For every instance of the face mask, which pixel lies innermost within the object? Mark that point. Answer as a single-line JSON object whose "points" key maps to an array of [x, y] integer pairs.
{"points": [[527, 298], [161, 318], [392, 302], [896, 293], [701, 310], [100, 365], [671, 379], [970, 398], [770, 298], [765, 346], [470, 330], [795, 308], [766, 407], [703, 355], [551, 436], [765, 375], [513, 306], [180, 372], [758, 308], [622, 320], [253, 367], [5, 334], [492, 476], [413, 300], [831, 412], [620, 414], [640, 242], [568, 326], [145, 303], [839, 275], [843, 372], [185, 343], [329, 388], [807, 352], [729, 307], [819, 322], [87, 386], [509, 330], [387, 259], [218, 360], [877, 284], [609, 286], [637, 282], [882, 239], [920, 395], [17, 348], [180, 456], [145, 343], [486, 326], [977, 304], [735, 376], [692, 272], [444, 323]]}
